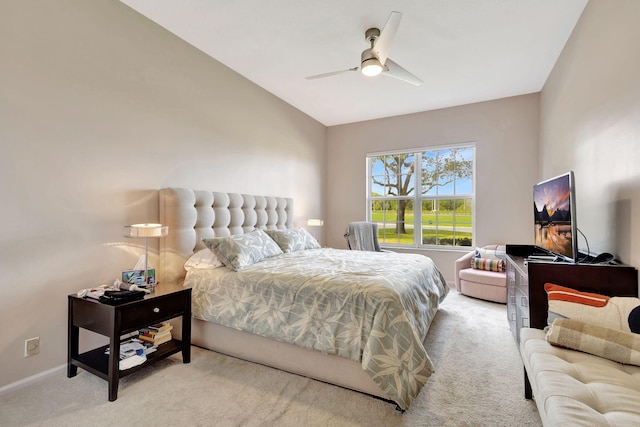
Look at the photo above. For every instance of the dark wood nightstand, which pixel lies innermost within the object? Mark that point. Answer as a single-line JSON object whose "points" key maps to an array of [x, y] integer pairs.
{"points": [[166, 302]]}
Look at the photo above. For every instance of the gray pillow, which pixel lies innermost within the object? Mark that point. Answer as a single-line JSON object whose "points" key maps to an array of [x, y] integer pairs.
{"points": [[242, 250], [293, 240]]}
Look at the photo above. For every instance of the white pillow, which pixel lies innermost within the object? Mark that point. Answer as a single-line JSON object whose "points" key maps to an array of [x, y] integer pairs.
{"points": [[204, 258]]}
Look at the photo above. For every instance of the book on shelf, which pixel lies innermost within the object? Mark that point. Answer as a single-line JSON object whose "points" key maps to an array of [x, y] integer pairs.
{"points": [[159, 327], [151, 333], [148, 347], [157, 339], [141, 343], [128, 348], [131, 348], [156, 334]]}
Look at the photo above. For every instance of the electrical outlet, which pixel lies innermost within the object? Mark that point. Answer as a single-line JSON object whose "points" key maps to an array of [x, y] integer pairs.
{"points": [[32, 347]]}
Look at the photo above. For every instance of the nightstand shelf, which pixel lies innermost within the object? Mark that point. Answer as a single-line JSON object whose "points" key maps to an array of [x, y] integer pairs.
{"points": [[97, 362], [165, 303]]}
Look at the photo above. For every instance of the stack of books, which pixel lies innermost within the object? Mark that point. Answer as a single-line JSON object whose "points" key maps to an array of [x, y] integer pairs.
{"points": [[156, 334], [137, 345]]}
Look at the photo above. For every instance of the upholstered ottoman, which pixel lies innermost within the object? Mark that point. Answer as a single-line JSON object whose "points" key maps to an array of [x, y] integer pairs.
{"points": [[572, 388]]}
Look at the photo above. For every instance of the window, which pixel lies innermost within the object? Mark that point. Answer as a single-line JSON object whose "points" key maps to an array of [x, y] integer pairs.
{"points": [[437, 181]]}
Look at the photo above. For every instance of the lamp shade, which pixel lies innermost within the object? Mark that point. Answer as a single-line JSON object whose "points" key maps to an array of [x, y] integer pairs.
{"points": [[146, 230], [315, 222]]}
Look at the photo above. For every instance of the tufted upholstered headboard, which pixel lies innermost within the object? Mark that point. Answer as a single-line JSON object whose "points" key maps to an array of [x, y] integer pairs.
{"points": [[193, 215]]}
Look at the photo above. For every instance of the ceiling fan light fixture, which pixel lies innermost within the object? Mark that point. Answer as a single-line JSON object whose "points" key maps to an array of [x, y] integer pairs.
{"points": [[371, 67], [370, 64]]}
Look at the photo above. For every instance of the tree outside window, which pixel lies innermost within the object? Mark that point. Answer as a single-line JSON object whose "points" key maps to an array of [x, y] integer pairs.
{"points": [[439, 182]]}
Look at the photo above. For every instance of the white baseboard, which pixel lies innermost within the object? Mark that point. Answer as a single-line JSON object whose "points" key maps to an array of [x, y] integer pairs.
{"points": [[10, 388]]}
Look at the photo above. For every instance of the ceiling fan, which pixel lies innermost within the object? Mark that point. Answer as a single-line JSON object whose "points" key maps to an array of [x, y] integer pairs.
{"points": [[375, 60]]}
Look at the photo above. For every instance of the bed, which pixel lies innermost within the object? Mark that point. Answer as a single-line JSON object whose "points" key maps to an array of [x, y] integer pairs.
{"points": [[363, 315]]}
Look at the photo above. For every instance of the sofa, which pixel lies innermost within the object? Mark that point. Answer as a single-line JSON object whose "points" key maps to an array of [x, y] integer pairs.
{"points": [[479, 283], [572, 388]]}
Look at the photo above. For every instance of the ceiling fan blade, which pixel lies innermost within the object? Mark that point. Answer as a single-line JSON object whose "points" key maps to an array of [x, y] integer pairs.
{"points": [[382, 46], [332, 73], [397, 72]]}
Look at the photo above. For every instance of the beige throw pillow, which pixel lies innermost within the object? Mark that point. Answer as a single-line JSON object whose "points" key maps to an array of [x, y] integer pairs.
{"points": [[612, 344]]}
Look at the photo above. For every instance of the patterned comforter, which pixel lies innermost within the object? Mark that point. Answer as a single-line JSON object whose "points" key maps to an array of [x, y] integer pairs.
{"points": [[371, 307]]}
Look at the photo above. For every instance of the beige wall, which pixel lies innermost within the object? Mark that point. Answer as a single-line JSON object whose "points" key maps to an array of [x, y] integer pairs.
{"points": [[99, 108], [506, 136], [590, 123]]}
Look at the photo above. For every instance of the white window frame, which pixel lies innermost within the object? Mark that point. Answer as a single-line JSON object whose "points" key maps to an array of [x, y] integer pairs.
{"points": [[418, 198]]}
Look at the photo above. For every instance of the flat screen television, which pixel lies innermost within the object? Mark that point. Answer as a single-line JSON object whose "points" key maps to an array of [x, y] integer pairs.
{"points": [[554, 206]]}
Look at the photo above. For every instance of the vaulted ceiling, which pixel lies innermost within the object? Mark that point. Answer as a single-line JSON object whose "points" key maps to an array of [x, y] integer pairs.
{"points": [[464, 51]]}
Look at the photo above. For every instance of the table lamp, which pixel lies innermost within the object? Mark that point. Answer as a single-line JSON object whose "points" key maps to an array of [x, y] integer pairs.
{"points": [[146, 231], [314, 223]]}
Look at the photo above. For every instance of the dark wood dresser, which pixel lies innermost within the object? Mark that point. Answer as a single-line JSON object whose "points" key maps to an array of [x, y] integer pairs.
{"points": [[526, 298]]}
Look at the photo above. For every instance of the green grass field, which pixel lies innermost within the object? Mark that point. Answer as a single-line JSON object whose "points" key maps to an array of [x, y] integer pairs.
{"points": [[389, 236], [462, 221]]}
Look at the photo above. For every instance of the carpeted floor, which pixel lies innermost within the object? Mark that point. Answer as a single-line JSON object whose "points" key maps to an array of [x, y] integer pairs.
{"points": [[478, 382]]}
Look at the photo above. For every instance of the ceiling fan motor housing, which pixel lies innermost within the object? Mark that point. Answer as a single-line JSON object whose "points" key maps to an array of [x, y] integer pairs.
{"points": [[371, 35]]}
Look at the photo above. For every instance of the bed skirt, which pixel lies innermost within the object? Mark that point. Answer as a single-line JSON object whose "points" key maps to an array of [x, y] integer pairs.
{"points": [[287, 357]]}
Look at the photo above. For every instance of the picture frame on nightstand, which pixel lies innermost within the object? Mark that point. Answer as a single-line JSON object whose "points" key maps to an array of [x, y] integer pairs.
{"points": [[136, 277]]}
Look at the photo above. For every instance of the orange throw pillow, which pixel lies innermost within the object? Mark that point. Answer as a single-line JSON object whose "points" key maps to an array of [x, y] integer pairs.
{"points": [[561, 293]]}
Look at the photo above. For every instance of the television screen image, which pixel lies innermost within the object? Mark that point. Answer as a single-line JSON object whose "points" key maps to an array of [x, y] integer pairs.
{"points": [[555, 220]]}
